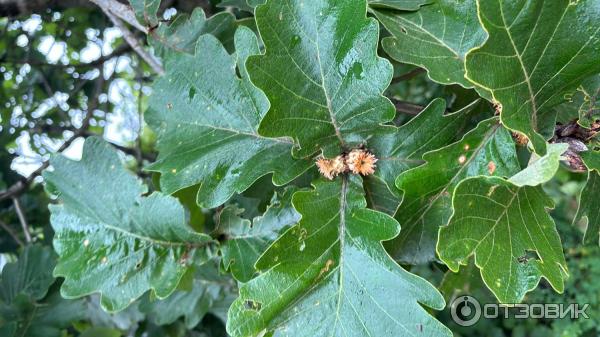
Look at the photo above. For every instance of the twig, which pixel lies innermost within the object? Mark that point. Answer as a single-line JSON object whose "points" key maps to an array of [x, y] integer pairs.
{"points": [[119, 51], [22, 219], [12, 233], [409, 75], [134, 43], [406, 107], [121, 11]]}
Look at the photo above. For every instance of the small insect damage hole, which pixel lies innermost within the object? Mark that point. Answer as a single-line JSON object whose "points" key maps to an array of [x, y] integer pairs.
{"points": [[528, 256], [252, 305]]}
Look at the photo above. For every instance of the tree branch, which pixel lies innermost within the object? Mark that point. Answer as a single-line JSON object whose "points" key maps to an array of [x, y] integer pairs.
{"points": [[121, 11], [12, 233], [406, 107], [119, 51], [19, 187], [408, 76], [133, 42], [22, 219]]}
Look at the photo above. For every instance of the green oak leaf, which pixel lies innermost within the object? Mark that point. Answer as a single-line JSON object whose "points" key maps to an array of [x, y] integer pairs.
{"points": [[145, 11], [379, 197], [508, 230], [332, 271], [589, 111], [206, 119], [536, 51], [27, 308], [402, 5], [193, 304], [247, 240], [437, 38], [321, 74], [112, 240], [486, 150], [589, 203], [48, 318], [31, 275], [541, 169], [400, 149], [184, 32]]}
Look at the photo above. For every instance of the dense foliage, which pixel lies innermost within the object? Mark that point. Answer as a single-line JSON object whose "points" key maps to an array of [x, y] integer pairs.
{"points": [[297, 168]]}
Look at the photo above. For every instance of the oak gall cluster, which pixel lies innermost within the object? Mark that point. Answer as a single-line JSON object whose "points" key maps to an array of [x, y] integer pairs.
{"points": [[357, 161]]}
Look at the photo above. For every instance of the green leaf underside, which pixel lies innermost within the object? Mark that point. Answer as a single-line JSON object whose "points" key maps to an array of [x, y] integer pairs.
{"points": [[321, 74], [542, 169], [332, 271], [182, 35], [536, 51], [487, 150], [437, 38], [31, 275], [112, 240], [589, 203], [509, 231], [403, 5], [400, 149], [207, 119], [246, 240], [192, 304]]}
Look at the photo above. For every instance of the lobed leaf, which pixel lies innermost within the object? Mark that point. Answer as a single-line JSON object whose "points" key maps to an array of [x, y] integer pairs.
{"points": [[30, 276], [508, 230], [321, 74], [27, 307], [541, 169], [437, 38], [330, 276], [112, 240], [182, 35], [486, 150], [206, 118], [536, 51], [400, 149], [247, 240]]}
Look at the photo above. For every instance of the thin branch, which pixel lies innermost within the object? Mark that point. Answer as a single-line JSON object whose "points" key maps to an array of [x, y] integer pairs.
{"points": [[22, 219], [119, 51], [12, 233], [134, 43], [406, 107], [19, 187], [121, 11], [408, 76]]}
